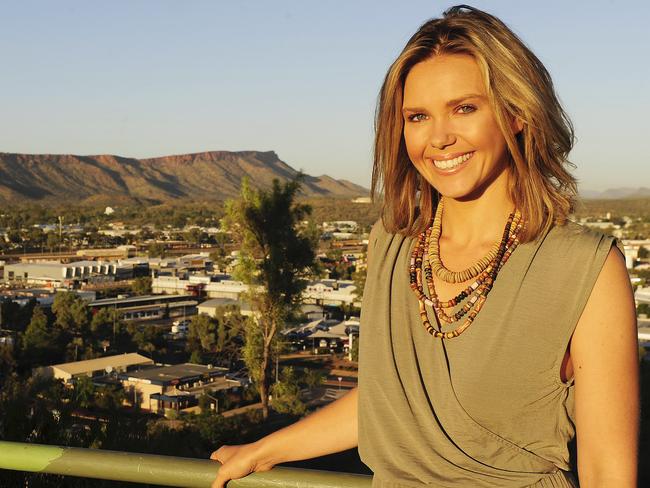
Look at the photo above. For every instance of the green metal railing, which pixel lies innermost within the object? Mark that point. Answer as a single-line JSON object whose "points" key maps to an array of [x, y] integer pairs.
{"points": [[158, 470]]}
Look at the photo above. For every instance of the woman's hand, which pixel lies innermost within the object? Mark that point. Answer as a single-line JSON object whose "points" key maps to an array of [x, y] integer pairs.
{"points": [[331, 429], [237, 462]]}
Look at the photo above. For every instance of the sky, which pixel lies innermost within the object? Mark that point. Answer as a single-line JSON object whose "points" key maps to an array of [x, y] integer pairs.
{"points": [[144, 78]]}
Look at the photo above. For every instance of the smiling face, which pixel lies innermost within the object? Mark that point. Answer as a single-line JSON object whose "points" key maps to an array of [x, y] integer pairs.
{"points": [[450, 131]]}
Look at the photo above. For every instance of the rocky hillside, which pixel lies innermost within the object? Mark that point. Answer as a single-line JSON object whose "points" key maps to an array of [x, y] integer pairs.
{"points": [[97, 179]]}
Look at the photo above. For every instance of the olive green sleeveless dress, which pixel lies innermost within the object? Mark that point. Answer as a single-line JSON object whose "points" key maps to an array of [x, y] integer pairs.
{"points": [[487, 408]]}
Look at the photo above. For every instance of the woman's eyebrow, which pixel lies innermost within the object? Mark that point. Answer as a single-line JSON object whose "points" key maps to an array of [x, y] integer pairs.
{"points": [[450, 103], [413, 109], [456, 101]]}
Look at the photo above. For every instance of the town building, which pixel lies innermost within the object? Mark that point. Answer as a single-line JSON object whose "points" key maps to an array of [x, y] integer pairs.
{"points": [[330, 292], [175, 387], [56, 257], [55, 275], [347, 226], [43, 296], [208, 286], [148, 307], [94, 368], [173, 266], [210, 307], [111, 254], [324, 333]]}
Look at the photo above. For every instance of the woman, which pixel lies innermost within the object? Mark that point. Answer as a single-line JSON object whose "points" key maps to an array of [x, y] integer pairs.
{"points": [[494, 330]]}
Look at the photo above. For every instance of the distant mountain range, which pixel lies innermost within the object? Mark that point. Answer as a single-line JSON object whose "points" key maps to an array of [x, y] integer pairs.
{"points": [[616, 193], [108, 179]]}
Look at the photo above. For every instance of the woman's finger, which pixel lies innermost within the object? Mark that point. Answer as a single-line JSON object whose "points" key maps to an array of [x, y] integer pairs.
{"points": [[222, 454], [219, 482]]}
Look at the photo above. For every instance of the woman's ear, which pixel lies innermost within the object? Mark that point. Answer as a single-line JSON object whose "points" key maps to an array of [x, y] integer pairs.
{"points": [[517, 125]]}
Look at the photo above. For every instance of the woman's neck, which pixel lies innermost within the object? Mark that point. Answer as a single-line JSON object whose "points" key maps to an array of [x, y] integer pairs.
{"points": [[477, 222]]}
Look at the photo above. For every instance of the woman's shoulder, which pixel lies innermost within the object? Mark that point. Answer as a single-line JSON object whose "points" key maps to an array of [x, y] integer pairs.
{"points": [[378, 232], [384, 242], [573, 234], [572, 244]]}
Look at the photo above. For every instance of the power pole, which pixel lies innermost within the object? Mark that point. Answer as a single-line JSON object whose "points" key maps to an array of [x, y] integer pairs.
{"points": [[60, 232]]}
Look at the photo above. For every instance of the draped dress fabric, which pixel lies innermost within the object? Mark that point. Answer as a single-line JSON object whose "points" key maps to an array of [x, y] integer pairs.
{"points": [[487, 408]]}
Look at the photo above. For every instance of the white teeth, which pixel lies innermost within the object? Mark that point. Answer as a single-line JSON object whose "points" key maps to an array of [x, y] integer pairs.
{"points": [[451, 163]]}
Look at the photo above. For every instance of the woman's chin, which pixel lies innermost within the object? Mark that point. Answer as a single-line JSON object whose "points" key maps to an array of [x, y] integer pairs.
{"points": [[455, 192]]}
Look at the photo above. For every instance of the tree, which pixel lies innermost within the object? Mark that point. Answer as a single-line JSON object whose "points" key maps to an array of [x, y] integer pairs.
{"points": [[156, 250], [35, 237], [643, 308], [195, 236], [201, 334], [38, 340], [71, 312], [106, 326], [230, 333], [15, 317], [7, 363], [219, 256], [84, 391], [275, 258], [359, 277], [148, 339], [355, 348], [286, 394], [141, 285], [313, 378], [196, 357], [13, 236], [110, 398], [205, 404], [52, 241], [222, 335]]}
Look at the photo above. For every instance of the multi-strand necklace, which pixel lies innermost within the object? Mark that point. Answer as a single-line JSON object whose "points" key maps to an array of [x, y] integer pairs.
{"points": [[427, 252]]}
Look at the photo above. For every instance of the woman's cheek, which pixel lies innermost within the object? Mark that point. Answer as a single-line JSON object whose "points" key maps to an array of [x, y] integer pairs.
{"points": [[414, 143], [415, 155]]}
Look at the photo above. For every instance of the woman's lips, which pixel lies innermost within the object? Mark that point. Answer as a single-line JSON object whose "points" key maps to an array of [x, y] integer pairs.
{"points": [[453, 164]]}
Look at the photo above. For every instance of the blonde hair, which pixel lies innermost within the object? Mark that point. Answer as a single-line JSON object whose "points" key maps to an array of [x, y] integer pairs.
{"points": [[517, 85]]}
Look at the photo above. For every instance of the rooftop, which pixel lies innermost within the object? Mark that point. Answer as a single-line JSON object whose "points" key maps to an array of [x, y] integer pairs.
{"points": [[116, 361], [177, 372], [144, 298], [218, 302]]}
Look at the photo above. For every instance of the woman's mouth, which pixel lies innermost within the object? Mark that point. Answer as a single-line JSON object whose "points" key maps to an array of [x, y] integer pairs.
{"points": [[451, 164]]}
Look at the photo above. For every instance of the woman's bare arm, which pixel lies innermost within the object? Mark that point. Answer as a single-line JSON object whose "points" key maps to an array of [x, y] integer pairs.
{"points": [[331, 429], [604, 353]]}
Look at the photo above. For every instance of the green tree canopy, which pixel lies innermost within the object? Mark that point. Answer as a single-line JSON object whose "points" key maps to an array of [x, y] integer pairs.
{"points": [[286, 394], [84, 391], [222, 335], [202, 333], [275, 259], [141, 285], [39, 341], [71, 312], [7, 363]]}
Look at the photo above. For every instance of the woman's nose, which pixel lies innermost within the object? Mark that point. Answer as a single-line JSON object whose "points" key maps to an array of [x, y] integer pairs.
{"points": [[441, 136]]}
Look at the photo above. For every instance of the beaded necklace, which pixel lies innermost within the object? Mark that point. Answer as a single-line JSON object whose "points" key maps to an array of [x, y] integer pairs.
{"points": [[475, 294], [439, 268]]}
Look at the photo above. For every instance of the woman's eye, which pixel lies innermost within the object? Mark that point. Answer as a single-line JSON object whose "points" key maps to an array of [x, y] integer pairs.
{"points": [[466, 109], [416, 117]]}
